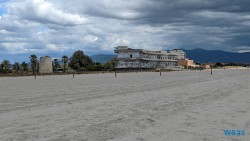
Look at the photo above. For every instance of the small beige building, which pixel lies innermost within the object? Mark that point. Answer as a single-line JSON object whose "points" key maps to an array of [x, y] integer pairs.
{"points": [[45, 65], [187, 63], [205, 66]]}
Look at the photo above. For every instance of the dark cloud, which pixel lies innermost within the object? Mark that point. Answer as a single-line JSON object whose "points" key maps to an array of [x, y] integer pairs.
{"points": [[193, 12], [97, 26]]}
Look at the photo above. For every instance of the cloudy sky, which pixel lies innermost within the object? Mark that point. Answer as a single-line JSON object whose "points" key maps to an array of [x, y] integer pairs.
{"points": [[58, 27]]}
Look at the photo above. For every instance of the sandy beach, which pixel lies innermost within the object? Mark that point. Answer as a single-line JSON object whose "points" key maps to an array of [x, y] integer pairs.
{"points": [[177, 106]]}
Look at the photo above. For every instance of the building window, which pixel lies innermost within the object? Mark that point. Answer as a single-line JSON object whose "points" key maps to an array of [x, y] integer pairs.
{"points": [[131, 56]]}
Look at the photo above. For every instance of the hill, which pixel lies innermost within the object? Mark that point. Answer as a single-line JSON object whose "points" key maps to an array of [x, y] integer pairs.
{"points": [[205, 56], [102, 58], [198, 55]]}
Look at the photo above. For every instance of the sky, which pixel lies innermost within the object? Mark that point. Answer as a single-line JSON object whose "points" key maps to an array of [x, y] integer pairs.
{"points": [[60, 27]]}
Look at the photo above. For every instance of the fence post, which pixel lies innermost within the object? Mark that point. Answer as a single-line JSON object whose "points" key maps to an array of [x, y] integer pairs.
{"points": [[211, 69]]}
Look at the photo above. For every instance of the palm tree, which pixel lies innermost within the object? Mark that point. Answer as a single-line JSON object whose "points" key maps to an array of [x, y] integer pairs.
{"points": [[65, 60], [16, 66], [56, 64], [24, 66], [33, 61], [5, 65]]}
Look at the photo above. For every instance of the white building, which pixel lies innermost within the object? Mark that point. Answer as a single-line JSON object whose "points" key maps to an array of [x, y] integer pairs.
{"points": [[180, 53], [138, 58]]}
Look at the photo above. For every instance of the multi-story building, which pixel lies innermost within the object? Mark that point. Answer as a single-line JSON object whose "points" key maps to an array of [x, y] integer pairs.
{"points": [[138, 58], [180, 53]]}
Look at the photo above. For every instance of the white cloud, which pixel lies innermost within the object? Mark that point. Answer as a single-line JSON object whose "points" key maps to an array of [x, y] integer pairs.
{"points": [[16, 48], [128, 15], [119, 42], [44, 12], [103, 8], [242, 49], [215, 15], [3, 31], [54, 47], [90, 38], [216, 40]]}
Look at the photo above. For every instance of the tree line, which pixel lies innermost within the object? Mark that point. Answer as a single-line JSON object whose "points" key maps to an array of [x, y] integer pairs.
{"points": [[77, 62], [219, 64]]}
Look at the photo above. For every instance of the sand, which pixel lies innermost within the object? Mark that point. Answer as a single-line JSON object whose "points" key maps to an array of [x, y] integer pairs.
{"points": [[177, 106]]}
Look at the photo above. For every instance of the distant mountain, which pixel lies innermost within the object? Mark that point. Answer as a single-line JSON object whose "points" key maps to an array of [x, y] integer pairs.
{"points": [[205, 56], [102, 58]]}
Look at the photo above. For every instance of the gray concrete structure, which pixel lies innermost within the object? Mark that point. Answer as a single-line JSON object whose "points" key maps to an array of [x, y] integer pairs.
{"points": [[180, 53], [45, 65], [144, 59]]}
